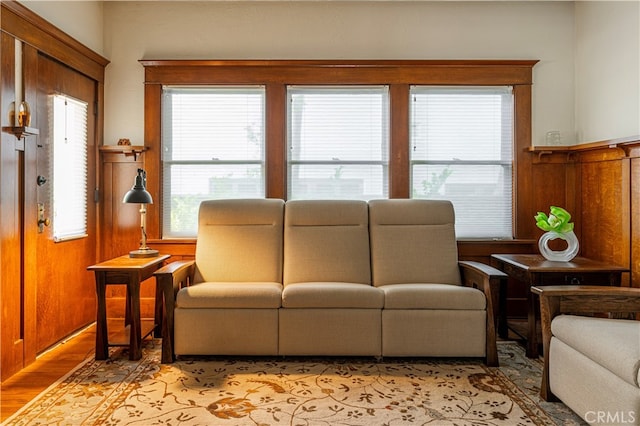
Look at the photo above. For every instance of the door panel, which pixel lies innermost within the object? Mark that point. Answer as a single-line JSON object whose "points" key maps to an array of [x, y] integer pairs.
{"points": [[11, 163], [65, 289]]}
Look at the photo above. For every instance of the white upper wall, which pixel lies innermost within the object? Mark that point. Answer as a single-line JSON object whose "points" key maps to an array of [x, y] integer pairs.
{"points": [[82, 20], [591, 47], [607, 70], [338, 30]]}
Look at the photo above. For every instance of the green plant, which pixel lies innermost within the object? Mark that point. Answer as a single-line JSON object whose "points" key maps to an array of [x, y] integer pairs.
{"points": [[557, 221], [432, 186]]}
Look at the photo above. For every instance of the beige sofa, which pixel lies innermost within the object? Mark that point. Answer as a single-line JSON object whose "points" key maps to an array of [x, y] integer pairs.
{"points": [[328, 278], [592, 364]]}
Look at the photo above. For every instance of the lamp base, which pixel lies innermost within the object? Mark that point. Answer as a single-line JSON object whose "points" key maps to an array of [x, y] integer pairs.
{"points": [[143, 253]]}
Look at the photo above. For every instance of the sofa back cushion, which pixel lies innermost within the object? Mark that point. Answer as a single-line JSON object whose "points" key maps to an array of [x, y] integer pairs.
{"points": [[326, 241], [413, 241], [240, 240]]}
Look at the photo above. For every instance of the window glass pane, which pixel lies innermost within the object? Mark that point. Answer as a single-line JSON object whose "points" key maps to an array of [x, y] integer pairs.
{"points": [[213, 147], [338, 142], [69, 168], [461, 150], [478, 193], [340, 181]]}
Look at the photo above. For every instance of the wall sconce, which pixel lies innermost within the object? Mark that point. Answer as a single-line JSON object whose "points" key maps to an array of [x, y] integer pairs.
{"points": [[139, 195]]}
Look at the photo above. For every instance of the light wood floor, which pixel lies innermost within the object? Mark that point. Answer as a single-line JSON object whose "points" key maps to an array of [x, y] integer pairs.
{"points": [[22, 387]]}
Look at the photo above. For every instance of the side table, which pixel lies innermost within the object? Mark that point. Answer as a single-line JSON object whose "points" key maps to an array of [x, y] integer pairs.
{"points": [[535, 270], [128, 271]]}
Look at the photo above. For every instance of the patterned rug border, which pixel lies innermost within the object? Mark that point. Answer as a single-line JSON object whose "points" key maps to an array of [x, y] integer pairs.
{"points": [[524, 393]]}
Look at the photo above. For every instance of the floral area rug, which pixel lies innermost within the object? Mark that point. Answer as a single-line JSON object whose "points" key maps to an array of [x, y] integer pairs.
{"points": [[297, 391]]}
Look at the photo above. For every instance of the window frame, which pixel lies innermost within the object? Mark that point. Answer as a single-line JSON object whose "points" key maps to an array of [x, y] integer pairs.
{"points": [[399, 75], [505, 162], [227, 90], [69, 167]]}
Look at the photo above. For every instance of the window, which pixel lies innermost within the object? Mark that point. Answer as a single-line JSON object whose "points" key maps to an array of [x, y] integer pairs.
{"points": [[367, 155], [69, 168], [212, 147], [461, 150], [338, 142]]}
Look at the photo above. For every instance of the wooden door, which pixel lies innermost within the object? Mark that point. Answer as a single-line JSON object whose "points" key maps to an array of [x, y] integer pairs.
{"points": [[46, 293], [65, 289]]}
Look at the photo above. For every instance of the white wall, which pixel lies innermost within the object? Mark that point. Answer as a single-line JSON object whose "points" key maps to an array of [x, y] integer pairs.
{"points": [[338, 30], [82, 20], [607, 70], [325, 30]]}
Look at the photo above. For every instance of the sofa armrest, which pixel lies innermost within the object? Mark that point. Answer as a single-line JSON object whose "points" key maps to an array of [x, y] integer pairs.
{"points": [[556, 300], [488, 280], [179, 269], [169, 279]]}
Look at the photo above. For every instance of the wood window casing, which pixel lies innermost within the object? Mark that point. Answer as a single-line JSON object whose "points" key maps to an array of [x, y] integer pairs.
{"points": [[276, 75]]}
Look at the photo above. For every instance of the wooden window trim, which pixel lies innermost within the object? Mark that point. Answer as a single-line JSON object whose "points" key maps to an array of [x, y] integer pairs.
{"points": [[398, 75]]}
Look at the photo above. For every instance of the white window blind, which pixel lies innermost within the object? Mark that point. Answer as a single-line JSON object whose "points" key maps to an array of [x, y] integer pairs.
{"points": [[338, 142], [69, 168], [212, 147], [461, 150]]}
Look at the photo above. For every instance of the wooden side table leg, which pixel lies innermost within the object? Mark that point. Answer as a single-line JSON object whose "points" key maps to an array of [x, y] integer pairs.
{"points": [[135, 336], [503, 330], [549, 308], [158, 314], [102, 335], [167, 322], [127, 305], [532, 334]]}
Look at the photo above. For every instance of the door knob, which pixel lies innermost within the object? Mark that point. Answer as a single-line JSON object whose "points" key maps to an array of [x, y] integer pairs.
{"points": [[42, 221]]}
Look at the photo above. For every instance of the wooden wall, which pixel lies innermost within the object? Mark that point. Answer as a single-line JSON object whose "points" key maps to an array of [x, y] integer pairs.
{"points": [[601, 182], [121, 222]]}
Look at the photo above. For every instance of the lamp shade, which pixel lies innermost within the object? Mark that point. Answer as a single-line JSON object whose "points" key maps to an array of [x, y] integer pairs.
{"points": [[139, 194]]}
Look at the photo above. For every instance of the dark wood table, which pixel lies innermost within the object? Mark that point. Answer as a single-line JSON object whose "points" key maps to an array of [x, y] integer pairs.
{"points": [[535, 270], [128, 271]]}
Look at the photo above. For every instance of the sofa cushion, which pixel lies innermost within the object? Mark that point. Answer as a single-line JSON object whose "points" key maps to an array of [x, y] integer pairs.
{"points": [[326, 241], [432, 296], [332, 295], [240, 240], [413, 241], [231, 295], [618, 342]]}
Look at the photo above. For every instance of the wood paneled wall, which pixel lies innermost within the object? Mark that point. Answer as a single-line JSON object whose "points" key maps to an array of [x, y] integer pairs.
{"points": [[635, 218], [121, 222], [600, 183]]}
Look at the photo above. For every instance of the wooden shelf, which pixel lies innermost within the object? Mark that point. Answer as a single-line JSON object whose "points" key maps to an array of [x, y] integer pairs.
{"points": [[21, 131], [623, 143], [134, 150]]}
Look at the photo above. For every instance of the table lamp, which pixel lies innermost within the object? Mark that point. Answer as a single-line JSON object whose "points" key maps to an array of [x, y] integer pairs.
{"points": [[139, 195]]}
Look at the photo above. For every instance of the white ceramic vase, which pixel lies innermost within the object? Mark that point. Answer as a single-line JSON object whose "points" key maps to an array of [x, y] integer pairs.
{"points": [[559, 255]]}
